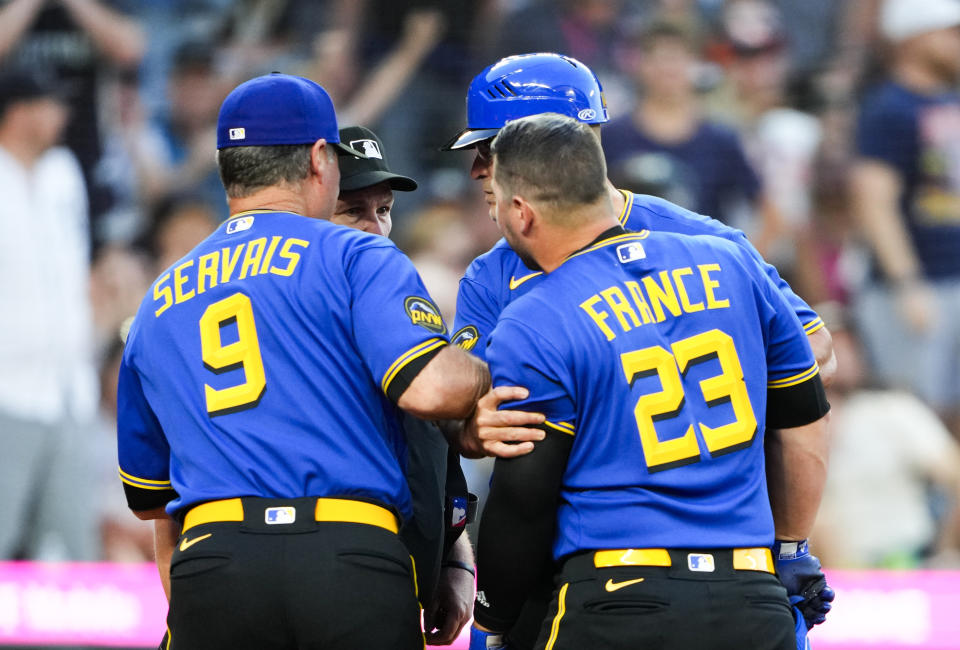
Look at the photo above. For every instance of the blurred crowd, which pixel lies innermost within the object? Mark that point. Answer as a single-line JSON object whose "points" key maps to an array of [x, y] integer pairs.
{"points": [[828, 131]]}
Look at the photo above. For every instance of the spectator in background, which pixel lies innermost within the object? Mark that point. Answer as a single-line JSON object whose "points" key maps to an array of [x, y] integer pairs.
{"points": [[888, 449], [189, 128], [122, 537], [47, 378], [78, 40], [781, 142], [180, 222], [586, 30], [906, 198], [667, 128]]}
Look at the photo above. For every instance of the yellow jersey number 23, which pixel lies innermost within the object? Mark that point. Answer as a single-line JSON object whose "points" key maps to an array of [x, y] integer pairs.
{"points": [[243, 353], [727, 387]]}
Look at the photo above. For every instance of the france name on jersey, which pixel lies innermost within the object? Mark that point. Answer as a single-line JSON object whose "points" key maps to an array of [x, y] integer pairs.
{"points": [[261, 365], [498, 277], [656, 352]]}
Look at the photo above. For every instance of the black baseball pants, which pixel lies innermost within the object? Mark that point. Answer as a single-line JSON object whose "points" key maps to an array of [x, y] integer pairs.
{"points": [[667, 608], [324, 585]]}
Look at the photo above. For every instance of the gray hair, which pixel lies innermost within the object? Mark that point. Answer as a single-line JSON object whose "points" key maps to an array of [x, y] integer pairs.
{"points": [[550, 158], [244, 170]]}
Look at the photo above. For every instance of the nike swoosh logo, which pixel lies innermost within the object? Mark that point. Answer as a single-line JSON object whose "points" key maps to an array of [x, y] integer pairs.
{"points": [[613, 586], [187, 543], [514, 282]]}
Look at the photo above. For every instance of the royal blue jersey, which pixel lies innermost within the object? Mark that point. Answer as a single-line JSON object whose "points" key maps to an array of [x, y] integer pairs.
{"points": [[498, 277], [266, 363], [656, 352]]}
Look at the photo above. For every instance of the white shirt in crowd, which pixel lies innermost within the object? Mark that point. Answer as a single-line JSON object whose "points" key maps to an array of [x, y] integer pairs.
{"points": [[46, 351]]}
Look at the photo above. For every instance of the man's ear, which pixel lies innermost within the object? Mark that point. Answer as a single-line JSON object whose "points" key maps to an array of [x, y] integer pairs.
{"points": [[528, 214], [320, 156]]}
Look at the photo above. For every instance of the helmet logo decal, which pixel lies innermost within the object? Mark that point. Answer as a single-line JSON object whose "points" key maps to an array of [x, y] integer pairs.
{"points": [[587, 114]]}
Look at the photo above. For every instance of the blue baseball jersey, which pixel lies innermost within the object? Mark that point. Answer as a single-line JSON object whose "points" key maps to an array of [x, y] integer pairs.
{"points": [[656, 352], [498, 277], [266, 363]]}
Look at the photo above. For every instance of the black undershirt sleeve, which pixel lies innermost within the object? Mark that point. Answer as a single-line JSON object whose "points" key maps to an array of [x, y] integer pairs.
{"points": [[517, 529], [141, 499], [407, 374], [797, 405]]}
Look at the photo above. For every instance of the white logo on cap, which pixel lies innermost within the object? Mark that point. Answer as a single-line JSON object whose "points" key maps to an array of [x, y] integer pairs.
{"points": [[587, 114], [368, 148], [239, 133]]}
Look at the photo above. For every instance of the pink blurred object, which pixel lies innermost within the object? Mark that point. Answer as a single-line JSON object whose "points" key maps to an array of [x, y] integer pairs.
{"points": [[111, 605], [86, 604]]}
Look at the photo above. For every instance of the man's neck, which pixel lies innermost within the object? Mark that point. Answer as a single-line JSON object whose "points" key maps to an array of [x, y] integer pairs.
{"points": [[24, 152], [918, 77], [275, 198], [667, 119], [557, 243]]}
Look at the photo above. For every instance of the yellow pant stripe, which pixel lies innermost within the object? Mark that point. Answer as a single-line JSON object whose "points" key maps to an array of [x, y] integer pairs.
{"points": [[561, 609]]}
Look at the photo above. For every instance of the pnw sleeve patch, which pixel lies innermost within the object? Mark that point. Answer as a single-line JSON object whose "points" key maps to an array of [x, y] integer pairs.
{"points": [[424, 313], [466, 338]]}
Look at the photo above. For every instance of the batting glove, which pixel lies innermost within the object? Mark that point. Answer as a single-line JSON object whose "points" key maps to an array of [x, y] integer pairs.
{"points": [[800, 573], [481, 640]]}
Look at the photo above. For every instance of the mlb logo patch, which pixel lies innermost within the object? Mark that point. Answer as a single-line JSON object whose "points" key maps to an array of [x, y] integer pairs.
{"points": [[238, 133], [702, 562], [630, 252], [368, 148], [280, 515], [458, 513], [239, 225]]}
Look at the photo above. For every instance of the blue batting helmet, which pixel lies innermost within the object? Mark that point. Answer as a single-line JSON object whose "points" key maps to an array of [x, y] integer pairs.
{"points": [[529, 84]]}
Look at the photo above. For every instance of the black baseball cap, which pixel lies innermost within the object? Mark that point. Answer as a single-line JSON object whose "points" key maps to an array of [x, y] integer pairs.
{"points": [[358, 173], [18, 85]]}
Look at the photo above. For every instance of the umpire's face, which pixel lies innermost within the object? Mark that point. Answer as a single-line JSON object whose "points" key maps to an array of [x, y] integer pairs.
{"points": [[366, 209]]}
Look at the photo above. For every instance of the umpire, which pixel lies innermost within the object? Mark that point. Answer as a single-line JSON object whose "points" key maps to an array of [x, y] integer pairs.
{"points": [[254, 395], [442, 506]]}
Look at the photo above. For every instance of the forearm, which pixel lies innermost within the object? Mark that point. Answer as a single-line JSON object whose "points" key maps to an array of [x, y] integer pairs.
{"points": [[821, 342], [119, 38], [796, 474], [448, 387], [517, 530], [165, 535], [460, 553], [876, 206], [15, 19]]}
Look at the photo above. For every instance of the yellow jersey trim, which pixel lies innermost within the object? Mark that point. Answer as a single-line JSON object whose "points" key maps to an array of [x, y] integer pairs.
{"points": [[562, 427], [793, 380], [627, 207], [144, 483], [561, 610], [407, 357], [813, 326]]}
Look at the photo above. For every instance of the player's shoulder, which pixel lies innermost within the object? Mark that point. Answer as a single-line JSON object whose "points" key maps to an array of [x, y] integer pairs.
{"points": [[497, 261], [647, 212]]}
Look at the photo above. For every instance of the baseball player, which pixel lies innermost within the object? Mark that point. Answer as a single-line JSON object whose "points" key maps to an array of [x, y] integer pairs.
{"points": [[531, 84], [528, 84], [440, 500], [255, 389], [660, 361]]}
